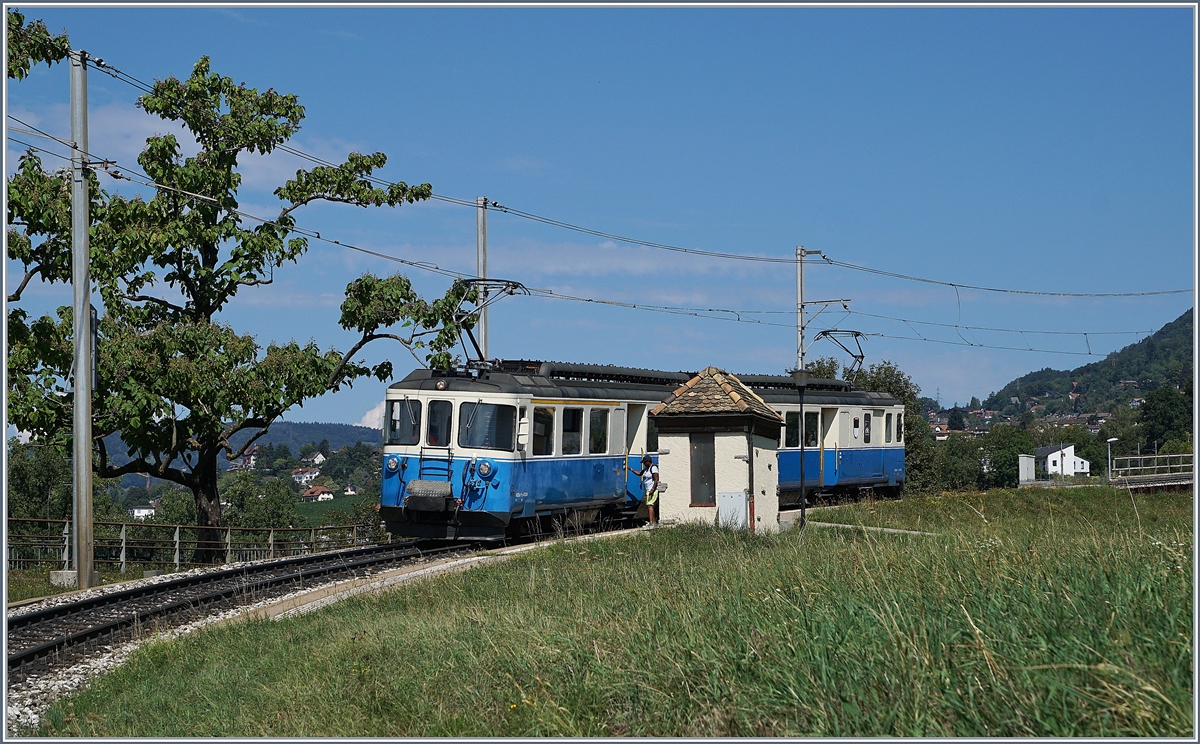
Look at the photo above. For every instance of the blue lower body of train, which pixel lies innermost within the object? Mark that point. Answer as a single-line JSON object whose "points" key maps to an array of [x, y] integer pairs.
{"points": [[487, 498], [836, 470]]}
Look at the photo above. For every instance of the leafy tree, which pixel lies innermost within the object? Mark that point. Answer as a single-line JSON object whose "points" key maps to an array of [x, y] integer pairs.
{"points": [[137, 496], [352, 464], [254, 502], [1166, 415], [39, 482], [825, 368], [28, 45], [176, 383], [975, 404], [324, 448], [960, 462], [1001, 447], [956, 422], [307, 449]]}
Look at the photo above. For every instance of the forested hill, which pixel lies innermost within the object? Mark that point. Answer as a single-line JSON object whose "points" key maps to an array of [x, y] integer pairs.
{"points": [[281, 432], [1164, 358], [296, 434]]}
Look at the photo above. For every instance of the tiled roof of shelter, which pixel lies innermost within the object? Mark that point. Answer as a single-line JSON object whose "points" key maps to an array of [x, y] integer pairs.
{"points": [[714, 391]]}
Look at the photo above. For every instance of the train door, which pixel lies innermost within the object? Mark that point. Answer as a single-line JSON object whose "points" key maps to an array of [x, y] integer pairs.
{"points": [[617, 446], [828, 418], [635, 444], [877, 439]]}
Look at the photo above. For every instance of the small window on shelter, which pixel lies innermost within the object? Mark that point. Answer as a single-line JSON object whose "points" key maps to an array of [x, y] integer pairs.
{"points": [[572, 435], [703, 467], [887, 428], [543, 431], [598, 431]]}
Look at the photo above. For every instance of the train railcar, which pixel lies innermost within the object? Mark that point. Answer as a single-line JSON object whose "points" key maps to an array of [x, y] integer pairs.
{"points": [[487, 454]]}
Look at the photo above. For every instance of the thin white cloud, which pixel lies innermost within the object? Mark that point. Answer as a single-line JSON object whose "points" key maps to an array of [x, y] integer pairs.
{"points": [[374, 417]]}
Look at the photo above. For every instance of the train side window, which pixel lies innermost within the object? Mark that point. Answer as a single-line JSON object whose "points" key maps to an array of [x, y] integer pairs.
{"points": [[899, 427], [486, 426], [866, 428], [811, 427], [440, 412], [856, 427], [791, 429], [404, 422], [543, 431], [598, 431], [704, 470], [572, 435], [887, 428]]}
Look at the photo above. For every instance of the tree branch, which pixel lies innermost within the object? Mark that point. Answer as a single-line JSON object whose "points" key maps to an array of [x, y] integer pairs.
{"points": [[316, 197], [16, 296], [366, 339], [245, 425], [157, 301]]}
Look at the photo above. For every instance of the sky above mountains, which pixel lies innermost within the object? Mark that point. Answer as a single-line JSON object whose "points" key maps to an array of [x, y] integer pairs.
{"points": [[1042, 149]]}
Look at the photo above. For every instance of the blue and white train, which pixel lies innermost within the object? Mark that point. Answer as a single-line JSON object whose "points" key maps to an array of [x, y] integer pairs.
{"points": [[489, 454]]}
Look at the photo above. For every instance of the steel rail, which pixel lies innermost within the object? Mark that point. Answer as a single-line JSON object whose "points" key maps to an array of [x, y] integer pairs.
{"points": [[307, 567]]}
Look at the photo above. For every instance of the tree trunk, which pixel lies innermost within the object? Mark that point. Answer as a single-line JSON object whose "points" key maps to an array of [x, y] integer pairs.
{"points": [[209, 546]]}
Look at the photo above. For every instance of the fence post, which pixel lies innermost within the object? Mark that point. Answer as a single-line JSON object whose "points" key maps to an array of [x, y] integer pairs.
{"points": [[271, 541], [354, 536], [228, 543], [122, 548], [176, 548], [66, 559], [312, 539]]}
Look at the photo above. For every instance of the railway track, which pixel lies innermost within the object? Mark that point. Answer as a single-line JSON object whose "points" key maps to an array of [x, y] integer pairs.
{"points": [[62, 634]]}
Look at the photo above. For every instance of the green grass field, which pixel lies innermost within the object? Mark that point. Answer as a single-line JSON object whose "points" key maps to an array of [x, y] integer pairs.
{"points": [[1050, 613]]}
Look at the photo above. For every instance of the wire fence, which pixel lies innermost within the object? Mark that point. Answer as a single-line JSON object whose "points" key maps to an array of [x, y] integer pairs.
{"points": [[33, 543]]}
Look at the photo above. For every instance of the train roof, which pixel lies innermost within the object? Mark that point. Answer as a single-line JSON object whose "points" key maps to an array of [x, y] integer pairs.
{"points": [[570, 380]]}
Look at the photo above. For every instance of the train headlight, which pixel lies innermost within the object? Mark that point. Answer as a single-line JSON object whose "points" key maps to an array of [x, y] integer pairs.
{"points": [[393, 464], [485, 468]]}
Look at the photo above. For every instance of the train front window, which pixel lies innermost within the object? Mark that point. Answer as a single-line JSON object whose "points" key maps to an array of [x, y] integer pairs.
{"points": [[404, 422], [440, 412], [887, 428], [486, 426], [598, 432], [791, 429], [543, 431], [810, 429], [572, 437]]}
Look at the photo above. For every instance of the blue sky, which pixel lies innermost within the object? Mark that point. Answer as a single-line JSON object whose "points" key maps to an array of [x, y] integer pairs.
{"points": [[1040, 149]]}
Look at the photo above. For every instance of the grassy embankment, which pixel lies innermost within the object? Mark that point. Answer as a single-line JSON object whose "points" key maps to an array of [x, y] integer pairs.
{"points": [[1053, 613]]}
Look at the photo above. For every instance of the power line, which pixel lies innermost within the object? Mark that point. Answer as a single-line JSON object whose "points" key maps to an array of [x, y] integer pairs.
{"points": [[142, 85]]}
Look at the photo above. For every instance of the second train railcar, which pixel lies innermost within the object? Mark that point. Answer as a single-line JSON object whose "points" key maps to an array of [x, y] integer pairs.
{"points": [[485, 455]]}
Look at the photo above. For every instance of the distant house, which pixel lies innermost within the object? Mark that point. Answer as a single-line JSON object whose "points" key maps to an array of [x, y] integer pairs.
{"points": [[304, 476], [141, 512], [1014, 399], [317, 493], [315, 458], [941, 432], [1060, 460], [1136, 402], [350, 490], [1036, 409]]}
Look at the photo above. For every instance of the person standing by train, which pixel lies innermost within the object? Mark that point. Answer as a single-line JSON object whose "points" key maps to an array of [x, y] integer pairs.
{"points": [[649, 476]]}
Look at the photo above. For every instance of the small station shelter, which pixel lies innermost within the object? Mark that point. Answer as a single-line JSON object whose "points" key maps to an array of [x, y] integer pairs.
{"points": [[717, 442]]}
